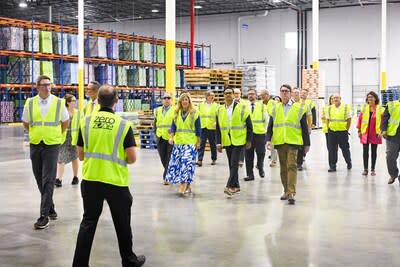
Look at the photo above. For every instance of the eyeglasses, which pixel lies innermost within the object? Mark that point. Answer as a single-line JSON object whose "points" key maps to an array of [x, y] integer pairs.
{"points": [[227, 93], [167, 97], [285, 91], [45, 85]]}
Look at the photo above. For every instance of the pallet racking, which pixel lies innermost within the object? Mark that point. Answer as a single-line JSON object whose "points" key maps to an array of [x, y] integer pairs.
{"points": [[17, 90]]}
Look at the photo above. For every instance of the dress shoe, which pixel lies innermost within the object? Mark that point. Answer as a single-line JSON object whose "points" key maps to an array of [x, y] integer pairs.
{"points": [[141, 259], [213, 162], [261, 172], [291, 199], [299, 167], [284, 196], [349, 166], [229, 191], [391, 180], [199, 163], [364, 173], [75, 180], [58, 183], [236, 190], [332, 170], [240, 164], [249, 178]]}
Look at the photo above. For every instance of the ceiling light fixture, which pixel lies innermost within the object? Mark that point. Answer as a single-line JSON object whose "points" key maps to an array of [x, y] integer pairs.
{"points": [[23, 4], [276, 1], [155, 10], [198, 7]]}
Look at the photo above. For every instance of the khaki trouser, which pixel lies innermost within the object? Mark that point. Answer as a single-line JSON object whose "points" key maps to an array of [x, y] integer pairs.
{"points": [[288, 160]]}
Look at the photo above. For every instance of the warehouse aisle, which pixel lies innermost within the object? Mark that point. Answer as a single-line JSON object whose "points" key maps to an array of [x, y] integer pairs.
{"points": [[339, 219]]}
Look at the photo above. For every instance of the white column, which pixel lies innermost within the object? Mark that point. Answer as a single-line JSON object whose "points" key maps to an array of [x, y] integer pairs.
{"points": [[315, 34], [384, 46], [81, 35]]}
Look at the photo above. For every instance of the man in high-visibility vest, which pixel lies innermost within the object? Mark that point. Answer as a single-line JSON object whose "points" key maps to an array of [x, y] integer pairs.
{"points": [[208, 114], [391, 132], [234, 133], [287, 131], [46, 118], [259, 119], [238, 98], [91, 91], [264, 94], [163, 117], [339, 121], [106, 146]]}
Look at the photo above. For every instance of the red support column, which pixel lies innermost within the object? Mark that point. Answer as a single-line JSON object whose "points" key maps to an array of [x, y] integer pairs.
{"points": [[192, 29]]}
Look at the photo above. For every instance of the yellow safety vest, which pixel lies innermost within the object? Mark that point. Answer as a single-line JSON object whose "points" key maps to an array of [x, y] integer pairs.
{"points": [[186, 130], [324, 121], [235, 129], [258, 118], [104, 154], [46, 129], [74, 128], [365, 118], [163, 122], [338, 117], [394, 120], [87, 110], [208, 115], [287, 128]]}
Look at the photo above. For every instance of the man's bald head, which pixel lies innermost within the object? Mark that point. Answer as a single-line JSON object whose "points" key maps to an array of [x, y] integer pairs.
{"points": [[107, 96]]}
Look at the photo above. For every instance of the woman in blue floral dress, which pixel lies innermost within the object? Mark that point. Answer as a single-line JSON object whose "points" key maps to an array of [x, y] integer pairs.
{"points": [[185, 136]]}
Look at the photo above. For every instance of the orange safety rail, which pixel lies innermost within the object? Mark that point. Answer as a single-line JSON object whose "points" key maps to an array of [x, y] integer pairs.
{"points": [[68, 29], [37, 55], [75, 87]]}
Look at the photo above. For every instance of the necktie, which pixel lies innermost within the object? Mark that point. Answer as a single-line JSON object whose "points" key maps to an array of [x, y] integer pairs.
{"points": [[252, 107]]}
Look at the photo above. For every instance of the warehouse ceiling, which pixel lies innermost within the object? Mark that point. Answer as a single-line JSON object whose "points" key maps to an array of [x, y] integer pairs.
{"points": [[66, 11]]}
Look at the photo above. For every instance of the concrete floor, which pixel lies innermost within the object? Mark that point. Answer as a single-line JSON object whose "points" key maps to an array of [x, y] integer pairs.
{"points": [[340, 219]]}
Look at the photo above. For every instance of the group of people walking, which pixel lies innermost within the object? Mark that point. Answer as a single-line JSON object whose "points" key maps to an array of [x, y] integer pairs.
{"points": [[60, 134]]}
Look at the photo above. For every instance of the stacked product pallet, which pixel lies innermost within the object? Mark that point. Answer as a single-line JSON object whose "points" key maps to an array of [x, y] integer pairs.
{"points": [[258, 77], [233, 78], [390, 94], [146, 132], [311, 81]]}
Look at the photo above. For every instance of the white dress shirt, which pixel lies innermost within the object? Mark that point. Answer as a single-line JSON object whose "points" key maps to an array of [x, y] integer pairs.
{"points": [[44, 105]]}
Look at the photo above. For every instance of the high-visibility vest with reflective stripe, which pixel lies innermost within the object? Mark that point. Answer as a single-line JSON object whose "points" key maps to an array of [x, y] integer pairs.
{"points": [[309, 105], [87, 110], [338, 117], [208, 115], [104, 154], [269, 106], [46, 129], [235, 129], [186, 129], [163, 122], [365, 118], [394, 120], [287, 128], [324, 121], [258, 118], [76, 118]]}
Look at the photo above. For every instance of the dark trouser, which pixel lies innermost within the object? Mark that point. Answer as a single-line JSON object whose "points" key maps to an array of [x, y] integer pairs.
{"points": [[210, 135], [366, 156], [164, 151], [287, 159], [119, 200], [242, 153], [326, 138], [300, 156], [44, 165], [233, 153], [392, 153], [257, 144], [335, 140]]}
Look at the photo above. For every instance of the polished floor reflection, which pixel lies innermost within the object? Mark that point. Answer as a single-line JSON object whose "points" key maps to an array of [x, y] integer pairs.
{"points": [[340, 219]]}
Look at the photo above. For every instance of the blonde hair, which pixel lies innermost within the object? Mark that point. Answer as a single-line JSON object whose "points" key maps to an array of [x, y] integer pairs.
{"points": [[179, 105]]}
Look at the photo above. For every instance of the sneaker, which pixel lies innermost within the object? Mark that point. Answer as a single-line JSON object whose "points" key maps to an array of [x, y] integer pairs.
{"points": [[75, 180], [236, 191], [291, 199], [41, 223], [229, 192], [53, 214], [58, 183], [349, 166], [141, 259]]}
